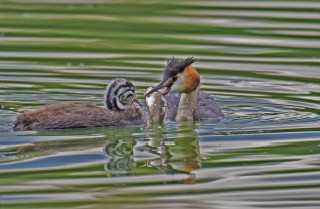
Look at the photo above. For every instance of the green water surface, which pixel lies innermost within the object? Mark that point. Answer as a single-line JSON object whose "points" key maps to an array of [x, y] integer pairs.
{"points": [[258, 59]]}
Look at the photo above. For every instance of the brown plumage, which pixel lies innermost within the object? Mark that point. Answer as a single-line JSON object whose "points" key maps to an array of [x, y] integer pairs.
{"points": [[68, 116], [119, 111]]}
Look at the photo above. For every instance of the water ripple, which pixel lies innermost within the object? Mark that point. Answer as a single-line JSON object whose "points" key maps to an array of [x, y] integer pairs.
{"points": [[258, 59]]}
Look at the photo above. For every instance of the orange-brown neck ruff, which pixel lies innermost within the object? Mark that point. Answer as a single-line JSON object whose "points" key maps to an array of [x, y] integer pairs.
{"points": [[192, 79]]}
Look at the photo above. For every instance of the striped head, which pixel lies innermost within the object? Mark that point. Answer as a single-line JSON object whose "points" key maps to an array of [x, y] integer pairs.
{"points": [[120, 95], [179, 76]]}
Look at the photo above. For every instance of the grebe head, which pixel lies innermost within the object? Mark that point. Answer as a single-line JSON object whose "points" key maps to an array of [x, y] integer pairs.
{"points": [[120, 95], [179, 76]]}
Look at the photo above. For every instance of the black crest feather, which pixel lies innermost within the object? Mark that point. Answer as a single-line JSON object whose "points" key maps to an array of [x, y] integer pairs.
{"points": [[173, 63], [175, 66], [187, 62]]}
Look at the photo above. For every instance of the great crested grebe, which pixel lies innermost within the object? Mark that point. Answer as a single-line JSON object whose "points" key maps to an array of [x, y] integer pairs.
{"points": [[190, 103], [119, 102]]}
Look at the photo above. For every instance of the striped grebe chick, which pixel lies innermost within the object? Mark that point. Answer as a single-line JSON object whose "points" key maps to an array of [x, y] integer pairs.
{"points": [[119, 110], [187, 102]]}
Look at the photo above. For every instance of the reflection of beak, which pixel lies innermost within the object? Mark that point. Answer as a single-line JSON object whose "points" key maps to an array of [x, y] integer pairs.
{"points": [[135, 100]]}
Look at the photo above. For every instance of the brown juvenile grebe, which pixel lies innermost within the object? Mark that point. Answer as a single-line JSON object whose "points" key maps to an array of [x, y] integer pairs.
{"points": [[119, 110], [190, 103]]}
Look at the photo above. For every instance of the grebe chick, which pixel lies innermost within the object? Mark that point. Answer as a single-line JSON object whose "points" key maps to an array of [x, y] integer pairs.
{"points": [[119, 101], [187, 103]]}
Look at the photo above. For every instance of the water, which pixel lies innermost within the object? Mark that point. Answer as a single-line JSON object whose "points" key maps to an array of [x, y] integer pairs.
{"points": [[259, 59]]}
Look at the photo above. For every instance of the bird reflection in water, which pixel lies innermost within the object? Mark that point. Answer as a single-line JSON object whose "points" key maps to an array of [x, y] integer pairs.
{"points": [[173, 155], [121, 160], [176, 155]]}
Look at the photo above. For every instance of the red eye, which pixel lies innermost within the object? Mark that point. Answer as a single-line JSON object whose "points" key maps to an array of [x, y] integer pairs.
{"points": [[174, 78]]}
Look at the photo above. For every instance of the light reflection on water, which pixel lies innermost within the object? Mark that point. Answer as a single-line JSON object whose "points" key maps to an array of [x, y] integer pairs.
{"points": [[193, 162], [262, 67]]}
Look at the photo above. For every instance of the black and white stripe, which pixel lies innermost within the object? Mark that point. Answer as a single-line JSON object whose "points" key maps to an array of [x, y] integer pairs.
{"points": [[116, 92]]}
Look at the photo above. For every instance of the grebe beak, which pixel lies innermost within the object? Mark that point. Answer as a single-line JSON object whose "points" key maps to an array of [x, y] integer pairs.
{"points": [[135, 100], [159, 86], [164, 87]]}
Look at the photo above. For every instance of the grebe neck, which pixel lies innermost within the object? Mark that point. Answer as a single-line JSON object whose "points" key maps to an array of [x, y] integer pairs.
{"points": [[187, 105]]}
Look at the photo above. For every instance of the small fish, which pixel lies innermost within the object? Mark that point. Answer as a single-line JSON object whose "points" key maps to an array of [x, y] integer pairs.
{"points": [[157, 106]]}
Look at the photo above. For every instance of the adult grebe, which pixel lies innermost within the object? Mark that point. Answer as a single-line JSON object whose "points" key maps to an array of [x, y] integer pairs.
{"points": [[192, 104], [119, 110]]}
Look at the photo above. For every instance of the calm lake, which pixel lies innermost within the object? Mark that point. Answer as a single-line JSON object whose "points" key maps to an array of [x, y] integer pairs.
{"points": [[260, 60]]}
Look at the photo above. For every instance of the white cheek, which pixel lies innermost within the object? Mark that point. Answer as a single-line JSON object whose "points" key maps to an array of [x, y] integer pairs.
{"points": [[178, 86]]}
